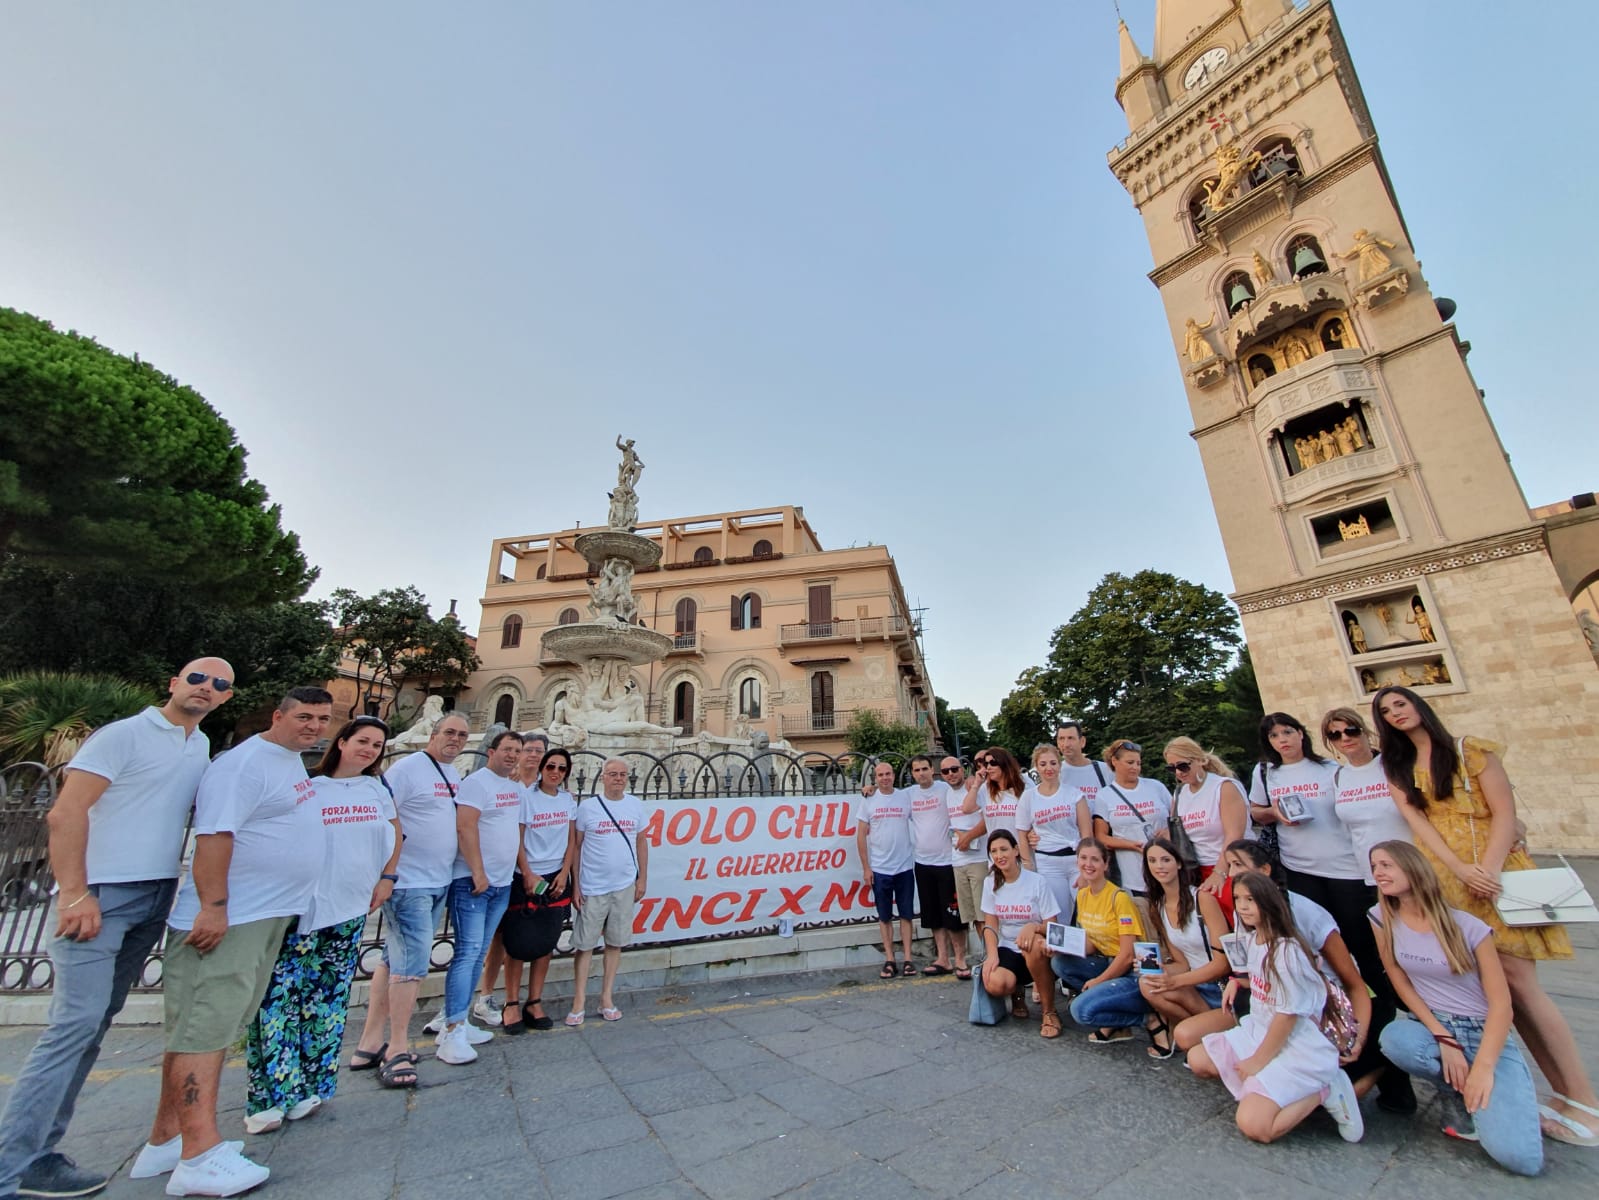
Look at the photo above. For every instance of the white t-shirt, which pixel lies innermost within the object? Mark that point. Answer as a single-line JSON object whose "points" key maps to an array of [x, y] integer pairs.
{"points": [[1054, 818], [962, 822], [1200, 812], [358, 838], [136, 827], [548, 822], [258, 792], [888, 832], [606, 863], [424, 800], [1017, 904], [1137, 815], [1315, 925], [498, 799], [930, 824], [1086, 778], [1000, 812], [1367, 810], [1319, 844]]}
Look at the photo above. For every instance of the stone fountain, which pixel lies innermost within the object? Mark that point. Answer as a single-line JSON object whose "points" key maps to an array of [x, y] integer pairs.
{"points": [[610, 714]]}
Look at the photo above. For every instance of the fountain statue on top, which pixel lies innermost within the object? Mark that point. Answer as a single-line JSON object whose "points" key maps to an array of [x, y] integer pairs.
{"points": [[609, 715]]}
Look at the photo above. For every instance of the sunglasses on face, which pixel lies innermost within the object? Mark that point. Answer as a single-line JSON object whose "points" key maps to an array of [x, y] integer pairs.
{"points": [[1339, 735], [949, 770], [218, 684], [982, 762], [1181, 766], [556, 766]]}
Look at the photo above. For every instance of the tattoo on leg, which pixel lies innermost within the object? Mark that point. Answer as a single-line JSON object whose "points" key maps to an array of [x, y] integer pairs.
{"points": [[191, 1090]]}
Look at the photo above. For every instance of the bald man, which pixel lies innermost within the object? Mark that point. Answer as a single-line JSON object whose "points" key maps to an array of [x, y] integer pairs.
{"points": [[116, 836]]}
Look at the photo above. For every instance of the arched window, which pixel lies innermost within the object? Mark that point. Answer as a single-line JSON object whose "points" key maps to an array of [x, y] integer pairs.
{"points": [[1261, 368], [505, 710], [687, 615], [568, 617], [763, 549], [683, 706], [1305, 257], [1277, 157], [1237, 291], [746, 611], [1332, 335], [542, 571], [511, 633], [749, 697], [1199, 210], [703, 555]]}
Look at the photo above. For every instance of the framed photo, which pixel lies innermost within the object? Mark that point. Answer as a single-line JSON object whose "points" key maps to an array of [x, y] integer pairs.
{"points": [[1146, 956], [1236, 947], [1293, 809], [1065, 939]]}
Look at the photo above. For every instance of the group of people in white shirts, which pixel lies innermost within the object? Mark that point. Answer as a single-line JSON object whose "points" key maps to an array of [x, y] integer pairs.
{"points": [[1270, 927]]}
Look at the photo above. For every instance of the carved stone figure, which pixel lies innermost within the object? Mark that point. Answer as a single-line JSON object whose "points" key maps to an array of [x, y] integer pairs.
{"points": [[422, 729], [1419, 618], [1386, 616], [1194, 343], [1263, 271], [1368, 254], [1355, 435], [624, 500], [612, 593], [1406, 678], [1231, 168], [1434, 673], [1590, 630], [1368, 680], [1305, 450], [1357, 635], [1357, 528], [1329, 445], [1346, 443], [1296, 350], [1332, 334]]}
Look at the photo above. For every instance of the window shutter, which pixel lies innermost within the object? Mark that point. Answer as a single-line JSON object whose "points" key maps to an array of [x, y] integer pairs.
{"points": [[755, 611], [738, 612]]}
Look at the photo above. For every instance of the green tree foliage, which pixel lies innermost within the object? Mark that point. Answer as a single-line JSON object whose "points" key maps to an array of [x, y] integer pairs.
{"points": [[109, 466], [872, 734], [1148, 657], [959, 727], [393, 640], [46, 715]]}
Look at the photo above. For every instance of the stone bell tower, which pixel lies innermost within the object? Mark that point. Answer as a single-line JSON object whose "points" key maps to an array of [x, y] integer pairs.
{"points": [[1374, 528]]}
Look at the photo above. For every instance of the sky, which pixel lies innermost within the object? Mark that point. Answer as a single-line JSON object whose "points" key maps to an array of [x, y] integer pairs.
{"points": [[862, 257]]}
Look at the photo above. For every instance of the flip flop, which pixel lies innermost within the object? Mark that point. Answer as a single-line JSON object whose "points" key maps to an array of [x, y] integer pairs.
{"points": [[611, 1014], [936, 969], [963, 972], [887, 972], [1565, 1129], [368, 1060], [908, 970], [574, 1019]]}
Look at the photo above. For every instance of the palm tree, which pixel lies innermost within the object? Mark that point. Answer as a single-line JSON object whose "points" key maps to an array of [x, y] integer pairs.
{"points": [[46, 715]]}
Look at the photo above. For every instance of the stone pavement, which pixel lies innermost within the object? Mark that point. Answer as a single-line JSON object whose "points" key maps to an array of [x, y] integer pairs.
{"points": [[822, 1085]]}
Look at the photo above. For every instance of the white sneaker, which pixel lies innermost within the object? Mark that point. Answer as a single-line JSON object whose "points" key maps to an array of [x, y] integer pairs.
{"points": [[1344, 1107], [264, 1121], [305, 1108], [454, 1047], [475, 1035], [156, 1160], [220, 1171], [435, 1023], [487, 1010]]}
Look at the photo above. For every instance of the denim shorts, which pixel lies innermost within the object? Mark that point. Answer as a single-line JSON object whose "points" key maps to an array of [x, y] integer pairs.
{"points": [[410, 920], [891, 891]]}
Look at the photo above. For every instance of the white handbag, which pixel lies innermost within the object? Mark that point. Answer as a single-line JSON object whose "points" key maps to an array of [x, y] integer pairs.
{"points": [[1551, 896]]}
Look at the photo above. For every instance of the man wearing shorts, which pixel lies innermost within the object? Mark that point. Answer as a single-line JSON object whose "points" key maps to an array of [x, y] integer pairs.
{"points": [[968, 856], [935, 869], [612, 870], [888, 863], [116, 835], [257, 855]]}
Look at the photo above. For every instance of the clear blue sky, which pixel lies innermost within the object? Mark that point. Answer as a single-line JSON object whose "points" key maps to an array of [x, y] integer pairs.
{"points": [[863, 257]]}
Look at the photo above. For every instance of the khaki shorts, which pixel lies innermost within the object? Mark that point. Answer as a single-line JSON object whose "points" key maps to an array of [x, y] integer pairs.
{"points": [[610, 914], [210, 999], [969, 891]]}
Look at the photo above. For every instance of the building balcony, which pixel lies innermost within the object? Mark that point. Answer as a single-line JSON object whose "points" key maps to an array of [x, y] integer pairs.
{"points": [[856, 629], [816, 724], [691, 644], [1285, 304]]}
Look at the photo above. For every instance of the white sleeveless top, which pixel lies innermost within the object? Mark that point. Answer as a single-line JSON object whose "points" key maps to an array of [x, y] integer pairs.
{"points": [[1190, 940], [1200, 813]]}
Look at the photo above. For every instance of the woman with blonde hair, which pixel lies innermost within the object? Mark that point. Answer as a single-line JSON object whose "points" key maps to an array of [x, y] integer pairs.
{"points": [[1457, 801], [1208, 804], [1129, 811], [1444, 967], [1364, 804]]}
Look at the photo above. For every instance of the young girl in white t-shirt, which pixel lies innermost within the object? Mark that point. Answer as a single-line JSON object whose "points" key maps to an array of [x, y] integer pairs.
{"points": [[1277, 1062]]}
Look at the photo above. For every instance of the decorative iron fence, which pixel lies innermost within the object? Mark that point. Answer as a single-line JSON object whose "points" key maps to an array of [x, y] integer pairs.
{"points": [[27, 790]]}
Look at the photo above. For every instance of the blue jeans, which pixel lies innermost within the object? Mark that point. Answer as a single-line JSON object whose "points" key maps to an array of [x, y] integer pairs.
{"points": [[91, 983], [410, 921], [474, 918], [1508, 1128], [1113, 1004]]}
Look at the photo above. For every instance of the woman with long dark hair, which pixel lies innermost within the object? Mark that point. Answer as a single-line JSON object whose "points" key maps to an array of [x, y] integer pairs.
{"points": [[292, 1049], [1457, 800], [1446, 970], [1017, 907], [996, 786], [541, 894], [1189, 926]]}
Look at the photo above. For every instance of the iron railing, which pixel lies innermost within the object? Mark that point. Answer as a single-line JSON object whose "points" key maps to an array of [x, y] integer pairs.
{"points": [[27, 790]]}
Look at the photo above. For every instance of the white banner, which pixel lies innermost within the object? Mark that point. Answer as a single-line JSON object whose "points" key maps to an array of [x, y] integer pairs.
{"points": [[748, 863]]}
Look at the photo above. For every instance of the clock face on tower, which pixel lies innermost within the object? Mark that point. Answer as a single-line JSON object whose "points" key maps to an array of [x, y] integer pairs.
{"points": [[1205, 66]]}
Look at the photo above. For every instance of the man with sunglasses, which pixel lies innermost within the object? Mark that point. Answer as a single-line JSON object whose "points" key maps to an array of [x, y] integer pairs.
{"points": [[116, 836], [484, 1007]]}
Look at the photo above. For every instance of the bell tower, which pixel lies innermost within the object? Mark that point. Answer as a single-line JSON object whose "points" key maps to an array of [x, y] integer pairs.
{"points": [[1375, 531]]}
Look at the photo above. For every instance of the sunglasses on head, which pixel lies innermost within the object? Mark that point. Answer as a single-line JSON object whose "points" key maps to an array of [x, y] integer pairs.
{"points": [[1348, 731], [372, 722], [1133, 746], [218, 684]]}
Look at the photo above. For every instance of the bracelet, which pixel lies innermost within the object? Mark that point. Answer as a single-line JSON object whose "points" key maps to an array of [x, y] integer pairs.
{"points": [[75, 903], [390, 878]]}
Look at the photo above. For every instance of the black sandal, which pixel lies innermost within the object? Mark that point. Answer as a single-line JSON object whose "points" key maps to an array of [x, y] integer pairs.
{"points": [[888, 971], [1155, 1049], [368, 1060], [399, 1071], [909, 971], [532, 1022]]}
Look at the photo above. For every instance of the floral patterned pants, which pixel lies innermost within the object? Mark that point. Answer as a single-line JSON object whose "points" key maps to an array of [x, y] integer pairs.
{"points": [[292, 1051]]}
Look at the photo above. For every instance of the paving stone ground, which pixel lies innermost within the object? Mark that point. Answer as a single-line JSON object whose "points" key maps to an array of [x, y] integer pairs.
{"points": [[824, 1085]]}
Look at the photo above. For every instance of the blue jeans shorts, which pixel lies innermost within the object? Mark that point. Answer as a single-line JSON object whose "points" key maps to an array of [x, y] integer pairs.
{"points": [[410, 920], [894, 890]]}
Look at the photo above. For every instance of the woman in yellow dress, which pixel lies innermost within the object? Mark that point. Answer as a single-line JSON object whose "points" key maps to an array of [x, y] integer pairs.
{"points": [[1463, 818]]}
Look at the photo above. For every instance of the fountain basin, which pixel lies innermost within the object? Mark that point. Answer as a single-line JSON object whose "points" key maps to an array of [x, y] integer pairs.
{"points": [[631, 643], [600, 544]]}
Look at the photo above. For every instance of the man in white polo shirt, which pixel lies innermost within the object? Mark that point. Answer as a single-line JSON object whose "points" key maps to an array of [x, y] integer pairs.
{"points": [[257, 856], [613, 862], [116, 834]]}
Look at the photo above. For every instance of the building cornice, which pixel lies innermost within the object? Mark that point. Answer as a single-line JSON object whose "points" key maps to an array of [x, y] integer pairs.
{"points": [[1465, 554]]}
